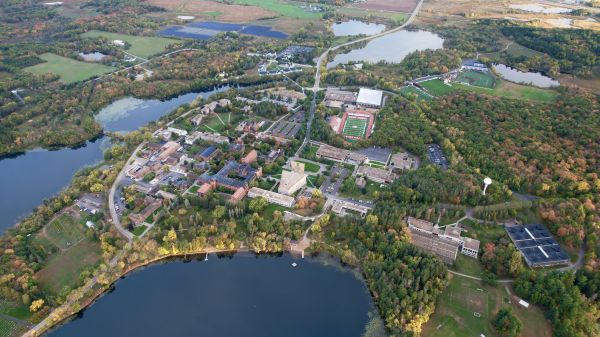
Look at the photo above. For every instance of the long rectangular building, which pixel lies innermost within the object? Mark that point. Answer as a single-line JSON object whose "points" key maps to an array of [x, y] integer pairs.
{"points": [[272, 197], [537, 246]]}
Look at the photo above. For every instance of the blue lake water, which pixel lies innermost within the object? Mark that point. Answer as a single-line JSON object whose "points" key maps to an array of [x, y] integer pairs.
{"points": [[243, 296], [356, 27], [27, 179], [391, 48]]}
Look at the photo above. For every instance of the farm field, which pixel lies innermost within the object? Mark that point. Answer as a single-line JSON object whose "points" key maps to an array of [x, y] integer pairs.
{"points": [[214, 10], [398, 17], [69, 70], [142, 46], [437, 87], [405, 6], [64, 232], [64, 269], [281, 7], [513, 90], [476, 78]]}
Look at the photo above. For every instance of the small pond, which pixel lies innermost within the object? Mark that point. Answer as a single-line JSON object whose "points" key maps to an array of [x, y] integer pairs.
{"points": [[356, 27], [531, 78]]}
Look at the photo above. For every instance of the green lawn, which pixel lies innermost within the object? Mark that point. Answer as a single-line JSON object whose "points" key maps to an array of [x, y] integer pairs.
{"points": [[437, 87], [69, 70], [513, 90], [139, 230], [281, 7], [64, 232], [362, 13], [309, 167], [10, 328], [214, 124], [64, 269], [409, 91], [267, 213], [467, 265], [142, 46]]}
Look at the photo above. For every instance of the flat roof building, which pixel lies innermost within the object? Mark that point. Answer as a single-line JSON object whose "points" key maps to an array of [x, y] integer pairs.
{"points": [[291, 182], [344, 208], [403, 161], [370, 98], [445, 248], [537, 245], [377, 175], [376, 153], [272, 197]]}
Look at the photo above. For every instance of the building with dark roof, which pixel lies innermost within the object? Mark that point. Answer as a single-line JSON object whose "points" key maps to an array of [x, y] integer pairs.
{"points": [[537, 245], [376, 153], [232, 176], [474, 65]]}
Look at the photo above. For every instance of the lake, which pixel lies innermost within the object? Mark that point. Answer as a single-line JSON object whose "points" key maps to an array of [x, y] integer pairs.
{"points": [[27, 179], [129, 114], [356, 27], [532, 78], [391, 48], [243, 296]]}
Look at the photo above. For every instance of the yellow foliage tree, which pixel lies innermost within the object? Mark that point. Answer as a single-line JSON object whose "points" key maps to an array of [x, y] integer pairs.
{"points": [[36, 305]]}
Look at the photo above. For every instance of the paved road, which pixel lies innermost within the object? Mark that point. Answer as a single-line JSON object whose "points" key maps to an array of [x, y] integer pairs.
{"points": [[111, 196], [323, 58]]}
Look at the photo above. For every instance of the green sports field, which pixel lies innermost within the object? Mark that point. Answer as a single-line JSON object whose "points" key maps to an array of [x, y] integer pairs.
{"points": [[142, 46], [355, 127], [476, 78], [64, 232], [409, 91], [436, 87], [69, 70]]}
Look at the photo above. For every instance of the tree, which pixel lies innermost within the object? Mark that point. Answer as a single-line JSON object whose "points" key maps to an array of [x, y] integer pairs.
{"points": [[97, 188], [218, 212], [507, 324], [36, 305], [257, 205]]}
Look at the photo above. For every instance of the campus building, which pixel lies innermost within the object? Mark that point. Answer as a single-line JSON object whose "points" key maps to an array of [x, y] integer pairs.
{"points": [[474, 65], [292, 181], [344, 208], [537, 245], [370, 98], [377, 175], [403, 161], [272, 197]]}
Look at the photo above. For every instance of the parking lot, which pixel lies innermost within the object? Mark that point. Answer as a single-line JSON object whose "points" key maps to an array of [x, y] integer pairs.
{"points": [[436, 156], [334, 181]]}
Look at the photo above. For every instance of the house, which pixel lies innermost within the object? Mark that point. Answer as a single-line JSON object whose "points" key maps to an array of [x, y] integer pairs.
{"points": [[177, 131], [272, 197], [377, 175], [370, 98], [250, 158]]}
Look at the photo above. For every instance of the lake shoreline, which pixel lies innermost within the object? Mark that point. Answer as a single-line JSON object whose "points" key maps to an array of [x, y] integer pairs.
{"points": [[87, 301]]}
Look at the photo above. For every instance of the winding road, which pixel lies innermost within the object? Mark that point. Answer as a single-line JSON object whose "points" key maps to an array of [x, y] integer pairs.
{"points": [[316, 86]]}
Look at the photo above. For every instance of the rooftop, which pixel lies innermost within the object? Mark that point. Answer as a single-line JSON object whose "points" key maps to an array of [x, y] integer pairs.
{"points": [[537, 245], [369, 97], [380, 154]]}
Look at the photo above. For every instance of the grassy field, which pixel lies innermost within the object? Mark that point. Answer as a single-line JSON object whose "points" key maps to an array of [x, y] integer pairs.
{"points": [[142, 46], [281, 7], [454, 315], [309, 167], [214, 124], [64, 232], [476, 78], [437, 87], [513, 90], [267, 213], [361, 13], [64, 269], [10, 328], [69, 70], [410, 90], [139, 230]]}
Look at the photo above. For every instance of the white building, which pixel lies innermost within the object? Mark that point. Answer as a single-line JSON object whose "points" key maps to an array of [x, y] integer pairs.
{"points": [[291, 181], [370, 98], [272, 197]]}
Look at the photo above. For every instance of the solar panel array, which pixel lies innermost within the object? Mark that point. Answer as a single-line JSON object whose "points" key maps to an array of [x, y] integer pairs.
{"points": [[206, 30], [537, 245]]}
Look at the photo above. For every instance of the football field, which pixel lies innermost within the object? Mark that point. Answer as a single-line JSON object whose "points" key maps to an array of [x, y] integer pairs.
{"points": [[355, 127]]}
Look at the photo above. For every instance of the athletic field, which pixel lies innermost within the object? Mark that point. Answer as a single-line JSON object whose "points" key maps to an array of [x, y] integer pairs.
{"points": [[69, 70], [476, 78], [355, 127]]}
